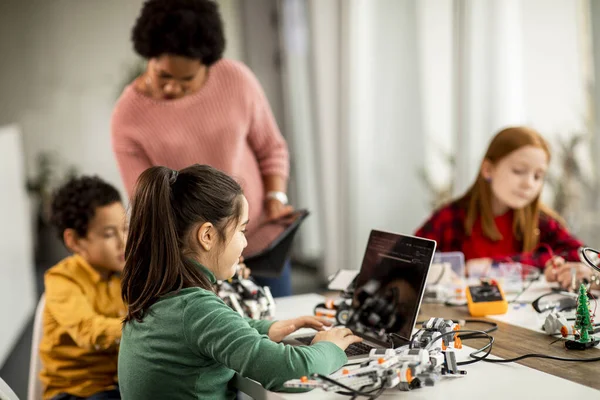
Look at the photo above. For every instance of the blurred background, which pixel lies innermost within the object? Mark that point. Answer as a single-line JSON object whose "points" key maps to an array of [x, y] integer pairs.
{"points": [[387, 107]]}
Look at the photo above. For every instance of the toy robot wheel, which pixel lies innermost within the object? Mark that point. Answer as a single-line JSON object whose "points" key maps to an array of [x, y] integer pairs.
{"points": [[404, 386], [342, 316]]}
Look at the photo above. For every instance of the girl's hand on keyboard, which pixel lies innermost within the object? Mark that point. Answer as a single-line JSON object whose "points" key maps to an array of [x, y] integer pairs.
{"points": [[280, 329], [341, 337]]}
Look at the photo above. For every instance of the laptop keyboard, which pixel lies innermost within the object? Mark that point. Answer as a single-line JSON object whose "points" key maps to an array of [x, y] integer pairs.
{"points": [[355, 349]]}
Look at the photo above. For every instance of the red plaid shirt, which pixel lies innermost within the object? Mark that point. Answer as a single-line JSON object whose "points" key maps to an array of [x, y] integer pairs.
{"points": [[447, 227]]}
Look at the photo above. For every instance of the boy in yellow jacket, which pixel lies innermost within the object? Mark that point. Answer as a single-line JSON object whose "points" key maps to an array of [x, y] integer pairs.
{"points": [[84, 310]]}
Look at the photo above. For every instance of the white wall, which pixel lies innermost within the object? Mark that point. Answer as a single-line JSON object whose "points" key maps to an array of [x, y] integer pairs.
{"points": [[325, 38], [260, 38], [435, 35], [556, 89], [66, 76], [522, 64], [554, 82], [299, 126], [64, 63], [383, 122], [17, 286], [231, 11]]}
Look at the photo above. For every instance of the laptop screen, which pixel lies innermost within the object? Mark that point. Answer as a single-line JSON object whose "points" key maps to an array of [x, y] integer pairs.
{"points": [[389, 289]]}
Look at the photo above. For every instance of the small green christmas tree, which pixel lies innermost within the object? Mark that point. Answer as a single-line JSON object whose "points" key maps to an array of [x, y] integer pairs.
{"points": [[583, 322]]}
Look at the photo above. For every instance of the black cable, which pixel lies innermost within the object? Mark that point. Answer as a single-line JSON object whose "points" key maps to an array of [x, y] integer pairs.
{"points": [[440, 336], [472, 334], [380, 390], [493, 327], [533, 355], [448, 303], [439, 278], [574, 319], [391, 339], [355, 396], [348, 388], [487, 346], [590, 263], [515, 359]]}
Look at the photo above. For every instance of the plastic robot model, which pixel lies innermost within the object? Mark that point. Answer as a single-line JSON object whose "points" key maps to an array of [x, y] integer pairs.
{"points": [[556, 323], [247, 298], [337, 311], [404, 368], [435, 327]]}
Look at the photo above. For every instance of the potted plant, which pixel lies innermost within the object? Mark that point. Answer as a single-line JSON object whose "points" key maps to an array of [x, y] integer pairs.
{"points": [[572, 190], [440, 194]]}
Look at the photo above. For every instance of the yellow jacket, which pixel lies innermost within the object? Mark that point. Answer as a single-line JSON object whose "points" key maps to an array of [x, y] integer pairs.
{"points": [[82, 329]]}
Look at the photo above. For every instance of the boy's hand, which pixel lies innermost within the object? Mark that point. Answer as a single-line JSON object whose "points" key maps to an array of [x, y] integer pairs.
{"points": [[280, 329]]}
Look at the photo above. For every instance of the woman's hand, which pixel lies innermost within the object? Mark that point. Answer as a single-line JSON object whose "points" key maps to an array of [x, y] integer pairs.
{"points": [[274, 209], [280, 329], [341, 337]]}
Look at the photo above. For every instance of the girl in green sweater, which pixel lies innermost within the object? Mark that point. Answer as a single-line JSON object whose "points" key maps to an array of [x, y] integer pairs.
{"points": [[180, 340]]}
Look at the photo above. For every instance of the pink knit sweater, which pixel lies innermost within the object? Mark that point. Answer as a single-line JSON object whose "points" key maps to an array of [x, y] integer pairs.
{"points": [[227, 124]]}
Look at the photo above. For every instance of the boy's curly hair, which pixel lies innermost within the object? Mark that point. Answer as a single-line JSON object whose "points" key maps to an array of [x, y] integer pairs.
{"points": [[75, 203], [187, 28]]}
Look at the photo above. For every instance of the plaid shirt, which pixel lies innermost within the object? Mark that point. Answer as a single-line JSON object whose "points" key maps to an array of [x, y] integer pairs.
{"points": [[447, 227]]}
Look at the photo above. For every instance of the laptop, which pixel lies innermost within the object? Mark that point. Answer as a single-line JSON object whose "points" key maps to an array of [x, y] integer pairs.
{"points": [[387, 292]]}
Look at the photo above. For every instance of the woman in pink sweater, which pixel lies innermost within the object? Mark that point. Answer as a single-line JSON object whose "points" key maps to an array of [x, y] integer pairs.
{"points": [[191, 106]]}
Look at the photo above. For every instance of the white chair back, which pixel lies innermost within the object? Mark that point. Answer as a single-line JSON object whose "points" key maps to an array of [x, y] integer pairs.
{"points": [[35, 389], [6, 393]]}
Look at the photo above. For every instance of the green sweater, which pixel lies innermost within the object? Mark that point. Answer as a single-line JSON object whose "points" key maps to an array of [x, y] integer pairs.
{"points": [[191, 343]]}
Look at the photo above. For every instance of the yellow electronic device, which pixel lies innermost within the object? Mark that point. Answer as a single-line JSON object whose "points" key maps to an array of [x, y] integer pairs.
{"points": [[486, 299]]}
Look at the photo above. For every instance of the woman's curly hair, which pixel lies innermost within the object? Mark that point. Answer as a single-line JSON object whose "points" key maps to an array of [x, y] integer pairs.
{"points": [[187, 28], [74, 204]]}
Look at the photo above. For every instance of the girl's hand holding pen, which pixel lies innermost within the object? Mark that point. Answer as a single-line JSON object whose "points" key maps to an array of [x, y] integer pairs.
{"points": [[561, 271]]}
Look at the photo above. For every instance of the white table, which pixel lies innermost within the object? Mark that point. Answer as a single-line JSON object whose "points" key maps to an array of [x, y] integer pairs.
{"points": [[483, 380]]}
